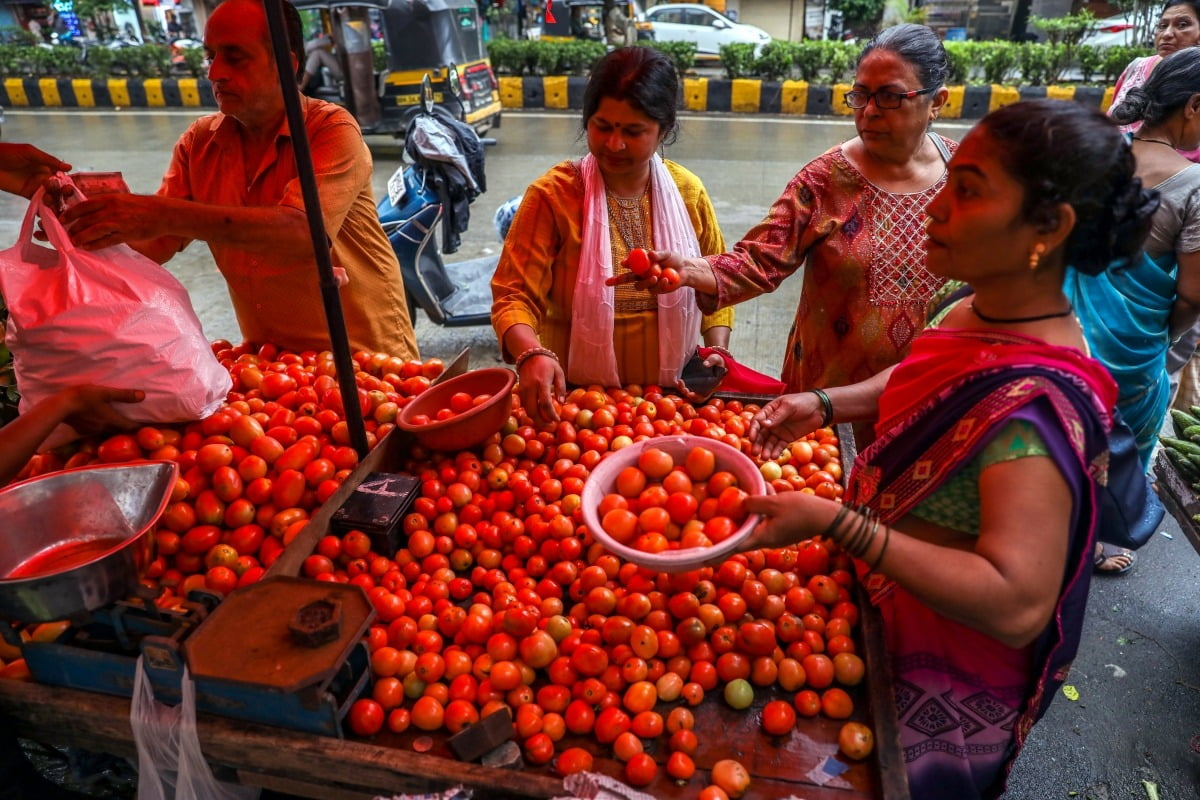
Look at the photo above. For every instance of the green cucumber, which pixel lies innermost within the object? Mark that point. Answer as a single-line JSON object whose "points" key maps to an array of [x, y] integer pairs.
{"points": [[1189, 471], [1181, 445], [1182, 420]]}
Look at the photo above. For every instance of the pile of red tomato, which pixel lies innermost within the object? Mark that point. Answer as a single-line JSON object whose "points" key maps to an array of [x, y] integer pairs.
{"points": [[253, 472], [500, 598], [659, 504]]}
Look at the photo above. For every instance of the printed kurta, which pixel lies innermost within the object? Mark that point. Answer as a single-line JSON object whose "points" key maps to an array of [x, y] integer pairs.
{"points": [[865, 285], [278, 300], [534, 283]]}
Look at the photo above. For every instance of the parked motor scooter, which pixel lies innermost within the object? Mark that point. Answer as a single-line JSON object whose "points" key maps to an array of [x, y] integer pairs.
{"points": [[433, 191]]}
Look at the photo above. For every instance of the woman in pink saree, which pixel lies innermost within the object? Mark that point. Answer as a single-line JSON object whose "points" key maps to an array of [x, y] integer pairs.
{"points": [[973, 514]]}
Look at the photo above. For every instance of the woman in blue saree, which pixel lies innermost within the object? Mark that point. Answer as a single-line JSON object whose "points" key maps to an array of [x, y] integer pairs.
{"points": [[1131, 315], [973, 514]]}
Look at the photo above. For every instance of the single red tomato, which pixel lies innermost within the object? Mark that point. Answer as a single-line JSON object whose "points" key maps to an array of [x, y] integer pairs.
{"points": [[365, 717]]}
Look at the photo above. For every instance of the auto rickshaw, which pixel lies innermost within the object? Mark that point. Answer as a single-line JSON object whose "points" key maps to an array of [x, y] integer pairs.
{"points": [[584, 19], [386, 48]]}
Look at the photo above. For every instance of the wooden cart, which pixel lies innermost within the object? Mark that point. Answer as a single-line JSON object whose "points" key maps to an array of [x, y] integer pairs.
{"points": [[802, 764], [1181, 501]]}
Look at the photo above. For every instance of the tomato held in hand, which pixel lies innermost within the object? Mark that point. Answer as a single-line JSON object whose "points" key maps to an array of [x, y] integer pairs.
{"points": [[638, 261]]}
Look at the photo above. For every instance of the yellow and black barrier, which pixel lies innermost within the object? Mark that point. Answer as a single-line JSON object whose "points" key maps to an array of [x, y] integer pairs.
{"points": [[753, 96], [106, 93], [740, 96]]}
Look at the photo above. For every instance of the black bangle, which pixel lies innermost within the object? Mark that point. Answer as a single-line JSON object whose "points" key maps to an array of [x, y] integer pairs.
{"points": [[826, 405], [856, 542], [833, 526], [887, 537]]}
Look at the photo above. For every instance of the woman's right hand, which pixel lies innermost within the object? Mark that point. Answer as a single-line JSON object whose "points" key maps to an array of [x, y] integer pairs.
{"points": [[783, 421], [542, 384], [787, 518]]}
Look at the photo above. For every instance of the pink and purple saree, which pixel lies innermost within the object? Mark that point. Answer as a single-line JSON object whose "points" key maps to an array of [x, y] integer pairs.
{"points": [[966, 702]]}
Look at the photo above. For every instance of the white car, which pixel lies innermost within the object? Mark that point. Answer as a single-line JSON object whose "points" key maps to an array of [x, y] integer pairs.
{"points": [[1112, 31], [702, 26]]}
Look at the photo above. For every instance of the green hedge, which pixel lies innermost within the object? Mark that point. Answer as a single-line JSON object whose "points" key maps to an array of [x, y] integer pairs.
{"points": [[971, 63], [141, 61], [1029, 63]]}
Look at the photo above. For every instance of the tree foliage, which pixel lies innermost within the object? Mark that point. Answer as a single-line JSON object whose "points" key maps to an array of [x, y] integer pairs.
{"points": [[860, 13]]}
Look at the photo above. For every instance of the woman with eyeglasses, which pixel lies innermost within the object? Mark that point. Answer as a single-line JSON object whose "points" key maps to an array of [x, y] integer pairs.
{"points": [[854, 216], [1177, 29]]}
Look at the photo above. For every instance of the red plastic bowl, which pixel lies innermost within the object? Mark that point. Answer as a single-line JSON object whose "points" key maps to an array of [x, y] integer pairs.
{"points": [[470, 427], [603, 480]]}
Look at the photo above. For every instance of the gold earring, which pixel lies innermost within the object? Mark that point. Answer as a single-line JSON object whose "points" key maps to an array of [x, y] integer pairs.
{"points": [[928, 221], [1036, 256]]}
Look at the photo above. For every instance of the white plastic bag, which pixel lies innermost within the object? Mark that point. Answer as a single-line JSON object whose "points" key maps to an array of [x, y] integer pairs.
{"points": [[170, 764], [111, 317]]}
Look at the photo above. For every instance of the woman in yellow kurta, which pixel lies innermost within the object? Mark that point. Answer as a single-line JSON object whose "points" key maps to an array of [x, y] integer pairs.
{"points": [[575, 227]]}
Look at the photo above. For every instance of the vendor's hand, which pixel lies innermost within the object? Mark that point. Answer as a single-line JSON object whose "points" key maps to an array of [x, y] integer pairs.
{"points": [[787, 518], [24, 168], [695, 398], [88, 409], [783, 421], [660, 281], [542, 384], [116, 218]]}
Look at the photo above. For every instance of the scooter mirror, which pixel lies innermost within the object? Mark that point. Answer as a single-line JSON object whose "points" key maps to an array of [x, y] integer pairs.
{"points": [[453, 81], [427, 101]]}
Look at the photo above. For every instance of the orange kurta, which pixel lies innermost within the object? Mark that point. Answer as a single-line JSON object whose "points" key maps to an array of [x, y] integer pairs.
{"points": [[277, 300]]}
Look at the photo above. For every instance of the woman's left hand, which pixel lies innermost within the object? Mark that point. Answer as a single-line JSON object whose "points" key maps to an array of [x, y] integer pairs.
{"points": [[783, 421]]}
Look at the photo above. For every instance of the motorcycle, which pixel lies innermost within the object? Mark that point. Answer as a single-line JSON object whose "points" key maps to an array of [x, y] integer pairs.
{"points": [[435, 190]]}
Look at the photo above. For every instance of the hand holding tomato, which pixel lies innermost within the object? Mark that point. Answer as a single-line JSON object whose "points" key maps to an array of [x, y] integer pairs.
{"points": [[783, 421], [663, 271]]}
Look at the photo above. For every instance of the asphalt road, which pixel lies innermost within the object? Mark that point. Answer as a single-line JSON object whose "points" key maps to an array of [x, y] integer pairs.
{"points": [[1136, 723]]}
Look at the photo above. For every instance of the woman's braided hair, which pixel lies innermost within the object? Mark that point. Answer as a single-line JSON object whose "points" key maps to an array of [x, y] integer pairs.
{"points": [[1063, 152]]}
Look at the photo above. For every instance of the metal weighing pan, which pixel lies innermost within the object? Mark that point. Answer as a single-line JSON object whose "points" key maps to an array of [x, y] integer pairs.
{"points": [[76, 541]]}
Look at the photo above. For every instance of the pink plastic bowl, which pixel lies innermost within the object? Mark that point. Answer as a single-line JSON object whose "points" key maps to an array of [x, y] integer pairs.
{"points": [[603, 480], [471, 427]]}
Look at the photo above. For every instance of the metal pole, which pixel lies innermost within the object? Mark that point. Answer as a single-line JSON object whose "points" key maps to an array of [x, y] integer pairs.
{"points": [[316, 226]]}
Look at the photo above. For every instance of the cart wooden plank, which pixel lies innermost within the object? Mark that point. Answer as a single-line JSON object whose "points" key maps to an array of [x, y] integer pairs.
{"points": [[100, 722]]}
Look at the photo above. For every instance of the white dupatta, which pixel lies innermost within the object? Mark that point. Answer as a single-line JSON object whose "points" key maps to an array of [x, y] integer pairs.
{"points": [[593, 358]]}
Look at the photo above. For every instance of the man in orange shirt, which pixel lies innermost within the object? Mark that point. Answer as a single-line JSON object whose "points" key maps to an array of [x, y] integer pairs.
{"points": [[233, 183]]}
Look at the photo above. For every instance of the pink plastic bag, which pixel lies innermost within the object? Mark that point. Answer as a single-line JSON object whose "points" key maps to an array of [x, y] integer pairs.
{"points": [[111, 317]]}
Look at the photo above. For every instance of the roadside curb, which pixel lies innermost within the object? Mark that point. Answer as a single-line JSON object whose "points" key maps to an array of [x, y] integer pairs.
{"points": [[743, 96], [753, 96], [106, 93]]}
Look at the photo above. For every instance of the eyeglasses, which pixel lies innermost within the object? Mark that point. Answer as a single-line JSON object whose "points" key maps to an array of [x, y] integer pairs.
{"points": [[883, 99]]}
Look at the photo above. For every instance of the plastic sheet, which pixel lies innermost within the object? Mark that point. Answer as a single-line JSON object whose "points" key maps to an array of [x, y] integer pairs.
{"points": [[170, 763]]}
